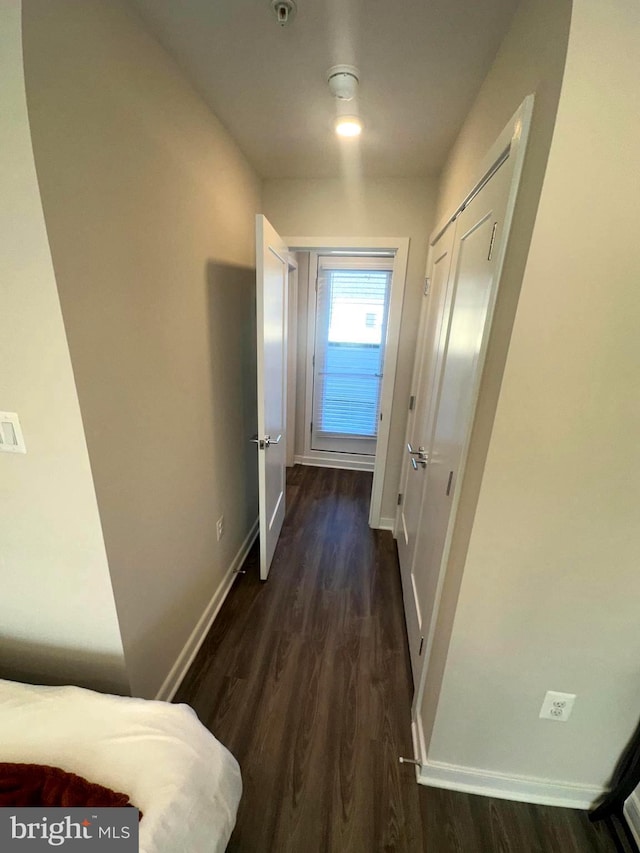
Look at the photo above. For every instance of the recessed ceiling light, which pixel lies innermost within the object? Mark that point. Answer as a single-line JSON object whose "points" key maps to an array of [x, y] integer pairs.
{"points": [[348, 126]]}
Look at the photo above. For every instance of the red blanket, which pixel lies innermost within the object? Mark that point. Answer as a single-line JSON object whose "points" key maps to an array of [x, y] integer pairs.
{"points": [[39, 785]]}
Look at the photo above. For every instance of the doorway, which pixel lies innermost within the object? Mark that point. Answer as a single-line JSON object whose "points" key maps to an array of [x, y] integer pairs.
{"points": [[365, 451], [350, 314]]}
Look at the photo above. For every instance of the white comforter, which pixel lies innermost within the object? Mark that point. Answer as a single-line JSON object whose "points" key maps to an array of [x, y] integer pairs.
{"points": [[186, 782]]}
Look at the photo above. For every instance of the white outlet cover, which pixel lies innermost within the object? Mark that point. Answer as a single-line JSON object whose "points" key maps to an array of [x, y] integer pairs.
{"points": [[11, 438], [557, 706]]}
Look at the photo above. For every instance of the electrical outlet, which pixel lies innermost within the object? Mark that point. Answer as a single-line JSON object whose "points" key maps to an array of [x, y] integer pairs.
{"points": [[220, 528], [557, 706]]}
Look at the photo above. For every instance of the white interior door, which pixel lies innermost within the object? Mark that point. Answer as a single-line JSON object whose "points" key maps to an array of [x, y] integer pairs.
{"points": [[473, 279], [271, 305], [427, 368]]}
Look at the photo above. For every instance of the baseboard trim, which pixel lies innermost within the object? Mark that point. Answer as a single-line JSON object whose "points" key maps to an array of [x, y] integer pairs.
{"points": [[632, 815], [522, 789], [386, 524], [192, 646], [334, 461]]}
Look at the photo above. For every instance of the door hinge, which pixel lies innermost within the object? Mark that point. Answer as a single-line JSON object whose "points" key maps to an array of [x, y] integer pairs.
{"points": [[412, 402], [311, 427], [427, 285], [399, 498], [493, 237], [313, 361], [421, 646]]}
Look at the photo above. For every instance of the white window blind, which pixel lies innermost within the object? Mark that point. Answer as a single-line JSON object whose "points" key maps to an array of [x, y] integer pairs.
{"points": [[352, 307]]}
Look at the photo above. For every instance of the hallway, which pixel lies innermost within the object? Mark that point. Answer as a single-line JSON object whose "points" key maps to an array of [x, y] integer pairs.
{"points": [[306, 679]]}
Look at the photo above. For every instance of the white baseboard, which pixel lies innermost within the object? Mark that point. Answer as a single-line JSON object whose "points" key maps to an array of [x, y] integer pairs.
{"points": [[522, 789], [632, 814], [192, 646], [387, 524], [335, 460]]}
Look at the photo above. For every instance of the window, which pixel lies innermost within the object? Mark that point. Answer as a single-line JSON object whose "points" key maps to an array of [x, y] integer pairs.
{"points": [[351, 315]]}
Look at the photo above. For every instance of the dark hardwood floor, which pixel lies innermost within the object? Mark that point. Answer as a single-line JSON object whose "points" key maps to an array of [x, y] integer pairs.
{"points": [[306, 679]]}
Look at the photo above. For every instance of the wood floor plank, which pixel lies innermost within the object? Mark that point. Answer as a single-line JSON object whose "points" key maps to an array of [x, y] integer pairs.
{"points": [[306, 678]]}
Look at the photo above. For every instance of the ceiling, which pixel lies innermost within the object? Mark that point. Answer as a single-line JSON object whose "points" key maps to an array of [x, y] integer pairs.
{"points": [[421, 64]]}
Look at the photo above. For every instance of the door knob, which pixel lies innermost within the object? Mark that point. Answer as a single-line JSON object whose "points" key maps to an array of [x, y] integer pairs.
{"points": [[421, 453], [415, 463], [263, 443]]}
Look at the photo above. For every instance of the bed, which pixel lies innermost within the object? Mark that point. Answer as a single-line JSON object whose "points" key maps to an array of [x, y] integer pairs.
{"points": [[186, 783]]}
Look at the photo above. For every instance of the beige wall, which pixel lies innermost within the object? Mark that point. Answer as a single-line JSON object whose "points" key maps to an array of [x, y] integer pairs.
{"points": [[551, 587], [373, 208], [149, 207], [57, 616], [530, 61]]}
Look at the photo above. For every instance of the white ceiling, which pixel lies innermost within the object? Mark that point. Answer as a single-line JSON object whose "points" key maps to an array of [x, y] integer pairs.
{"points": [[421, 64]]}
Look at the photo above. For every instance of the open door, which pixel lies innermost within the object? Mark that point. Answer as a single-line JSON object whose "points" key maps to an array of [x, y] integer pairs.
{"points": [[272, 270]]}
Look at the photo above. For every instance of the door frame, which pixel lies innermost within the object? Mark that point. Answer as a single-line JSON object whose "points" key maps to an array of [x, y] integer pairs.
{"points": [[400, 247], [512, 142], [352, 460], [292, 349]]}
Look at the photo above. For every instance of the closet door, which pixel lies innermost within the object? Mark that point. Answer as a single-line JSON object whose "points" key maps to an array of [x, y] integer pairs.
{"points": [[427, 367], [472, 282]]}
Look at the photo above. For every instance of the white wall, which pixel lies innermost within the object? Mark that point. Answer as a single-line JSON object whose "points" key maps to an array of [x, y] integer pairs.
{"points": [[549, 597], [149, 206], [390, 207], [57, 616]]}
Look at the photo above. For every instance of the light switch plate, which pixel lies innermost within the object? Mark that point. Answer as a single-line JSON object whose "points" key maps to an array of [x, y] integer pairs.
{"points": [[11, 438]]}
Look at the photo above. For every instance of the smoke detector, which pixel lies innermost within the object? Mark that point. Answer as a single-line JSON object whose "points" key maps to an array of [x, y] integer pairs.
{"points": [[343, 81], [284, 10]]}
